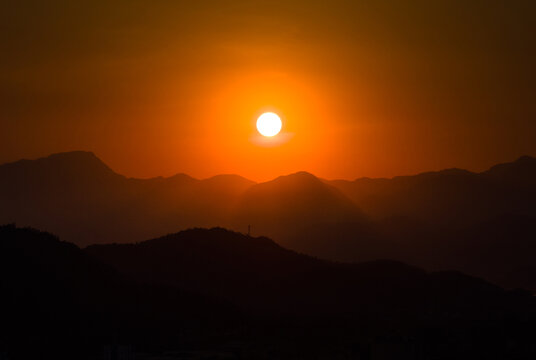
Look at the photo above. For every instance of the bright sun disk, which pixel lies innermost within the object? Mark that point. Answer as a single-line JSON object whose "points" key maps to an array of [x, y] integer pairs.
{"points": [[269, 124]]}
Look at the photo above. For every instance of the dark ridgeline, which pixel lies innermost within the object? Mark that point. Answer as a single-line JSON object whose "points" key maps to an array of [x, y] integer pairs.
{"points": [[58, 302], [76, 196], [286, 206], [450, 197], [480, 223], [220, 294]]}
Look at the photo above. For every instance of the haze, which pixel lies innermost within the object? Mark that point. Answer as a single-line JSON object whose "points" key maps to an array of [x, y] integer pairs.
{"points": [[365, 89]]}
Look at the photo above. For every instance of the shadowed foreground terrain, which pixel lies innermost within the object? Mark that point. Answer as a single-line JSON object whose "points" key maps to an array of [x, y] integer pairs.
{"points": [[217, 294]]}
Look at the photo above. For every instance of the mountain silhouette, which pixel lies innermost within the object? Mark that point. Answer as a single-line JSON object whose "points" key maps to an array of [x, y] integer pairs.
{"points": [[206, 292], [263, 278], [520, 173], [436, 220], [451, 197], [287, 205], [78, 197], [258, 274], [65, 302]]}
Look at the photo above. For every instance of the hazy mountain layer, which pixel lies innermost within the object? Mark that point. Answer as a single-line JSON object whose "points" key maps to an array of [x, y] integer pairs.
{"points": [[481, 223]]}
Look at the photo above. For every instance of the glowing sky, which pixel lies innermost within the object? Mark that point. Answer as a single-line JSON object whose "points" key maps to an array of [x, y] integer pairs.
{"points": [[364, 88]]}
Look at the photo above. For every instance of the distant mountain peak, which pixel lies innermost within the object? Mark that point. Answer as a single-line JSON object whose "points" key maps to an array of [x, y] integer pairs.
{"points": [[303, 174], [84, 163], [180, 177], [521, 172], [228, 177], [297, 176], [526, 159], [83, 157], [522, 162], [299, 182], [217, 233], [74, 153]]}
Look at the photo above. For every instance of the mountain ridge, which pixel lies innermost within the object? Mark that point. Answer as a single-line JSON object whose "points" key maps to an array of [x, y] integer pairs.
{"points": [[80, 154], [415, 219], [181, 292], [247, 271]]}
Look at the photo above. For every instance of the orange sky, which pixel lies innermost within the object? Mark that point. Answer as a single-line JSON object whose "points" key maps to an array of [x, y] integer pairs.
{"points": [[383, 89]]}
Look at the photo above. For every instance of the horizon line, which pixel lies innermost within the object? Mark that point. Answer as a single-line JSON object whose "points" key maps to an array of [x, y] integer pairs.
{"points": [[89, 152]]}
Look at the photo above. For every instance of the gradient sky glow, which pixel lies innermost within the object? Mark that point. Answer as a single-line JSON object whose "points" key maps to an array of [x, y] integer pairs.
{"points": [[364, 88]]}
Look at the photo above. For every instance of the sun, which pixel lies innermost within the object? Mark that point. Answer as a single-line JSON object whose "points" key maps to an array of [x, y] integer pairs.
{"points": [[269, 124]]}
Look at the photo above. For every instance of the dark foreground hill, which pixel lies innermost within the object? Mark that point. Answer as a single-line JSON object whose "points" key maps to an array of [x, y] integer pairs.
{"points": [[263, 278], [259, 275], [254, 300], [58, 302]]}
